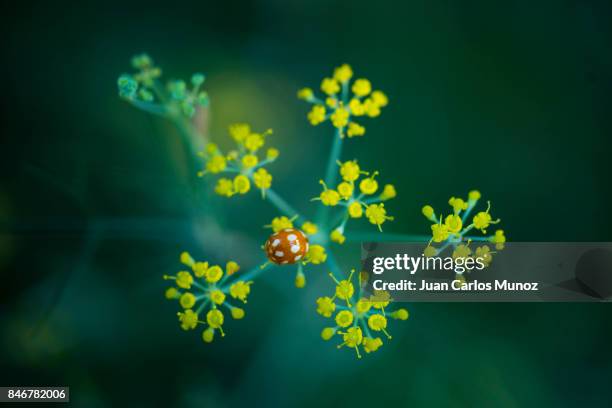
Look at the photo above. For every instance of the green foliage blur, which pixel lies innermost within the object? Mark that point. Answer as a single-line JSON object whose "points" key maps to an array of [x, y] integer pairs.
{"points": [[97, 199]]}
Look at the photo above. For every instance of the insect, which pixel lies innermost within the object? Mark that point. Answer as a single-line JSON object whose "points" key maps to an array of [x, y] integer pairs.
{"points": [[286, 246]]}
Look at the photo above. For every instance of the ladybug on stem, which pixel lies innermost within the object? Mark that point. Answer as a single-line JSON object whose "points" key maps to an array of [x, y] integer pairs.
{"points": [[286, 246]]}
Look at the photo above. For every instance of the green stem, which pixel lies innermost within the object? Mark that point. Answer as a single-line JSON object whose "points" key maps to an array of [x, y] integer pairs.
{"points": [[282, 205], [331, 174]]}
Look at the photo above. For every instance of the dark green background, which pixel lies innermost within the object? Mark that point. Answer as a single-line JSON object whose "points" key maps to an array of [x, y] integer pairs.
{"points": [[512, 98]]}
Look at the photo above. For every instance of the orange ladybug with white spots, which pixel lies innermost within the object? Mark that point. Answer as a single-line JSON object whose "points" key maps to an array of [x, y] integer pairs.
{"points": [[286, 246]]}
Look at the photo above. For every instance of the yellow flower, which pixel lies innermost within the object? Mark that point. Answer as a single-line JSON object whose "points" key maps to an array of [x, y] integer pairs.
{"points": [[231, 267], [330, 86], [188, 319], [345, 288], [499, 239], [325, 306], [355, 129], [199, 269], [272, 153], [388, 192], [356, 107], [328, 197], [474, 195], [344, 318], [172, 293], [263, 179], [208, 335], [309, 228], [453, 223], [461, 251], [316, 115], [327, 333], [340, 117], [430, 251], [211, 148], [216, 164], [184, 280], [379, 98], [214, 274], [300, 280], [215, 318], [458, 204], [239, 131], [240, 290], [439, 232], [483, 219], [316, 254], [370, 345], [368, 185], [371, 108], [280, 223], [237, 313], [355, 209], [331, 101], [187, 300], [377, 214], [377, 322], [337, 236], [345, 190], [349, 170], [254, 142], [187, 259], [343, 73], [249, 160], [242, 185], [217, 297], [224, 187], [305, 94], [353, 338], [428, 212], [362, 87], [400, 314], [363, 306], [484, 252]]}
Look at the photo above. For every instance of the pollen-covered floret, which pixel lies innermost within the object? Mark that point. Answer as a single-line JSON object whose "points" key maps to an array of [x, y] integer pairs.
{"points": [[245, 164], [203, 293], [452, 231], [342, 101], [358, 319]]}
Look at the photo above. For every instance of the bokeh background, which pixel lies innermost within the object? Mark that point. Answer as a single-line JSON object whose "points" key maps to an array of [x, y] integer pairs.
{"points": [[97, 199]]}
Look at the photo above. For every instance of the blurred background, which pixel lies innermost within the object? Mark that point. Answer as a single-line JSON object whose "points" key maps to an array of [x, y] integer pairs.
{"points": [[97, 199]]}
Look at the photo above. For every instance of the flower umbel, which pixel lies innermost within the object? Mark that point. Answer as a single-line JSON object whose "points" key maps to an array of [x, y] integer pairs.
{"points": [[343, 102], [359, 322], [202, 292]]}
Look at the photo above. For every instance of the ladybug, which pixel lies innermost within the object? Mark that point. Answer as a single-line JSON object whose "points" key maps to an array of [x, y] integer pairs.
{"points": [[286, 246]]}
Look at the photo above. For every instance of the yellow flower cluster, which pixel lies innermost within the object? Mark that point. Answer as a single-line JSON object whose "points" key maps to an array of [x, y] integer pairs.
{"points": [[245, 162], [452, 230], [359, 198], [343, 101], [358, 320], [316, 253], [205, 289]]}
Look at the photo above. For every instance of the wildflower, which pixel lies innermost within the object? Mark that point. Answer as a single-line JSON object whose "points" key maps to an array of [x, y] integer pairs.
{"points": [[453, 223], [368, 186], [359, 316], [330, 86], [207, 291], [305, 94], [337, 236], [362, 87], [428, 212], [309, 228], [339, 106], [263, 179], [328, 197], [316, 115], [242, 185], [239, 132], [483, 219], [249, 160], [350, 170], [216, 164], [272, 153], [355, 209], [388, 192], [316, 254], [280, 223], [377, 215], [484, 252], [224, 187], [343, 73]]}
